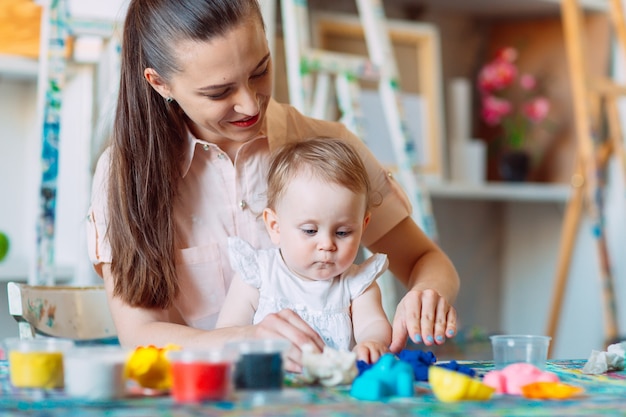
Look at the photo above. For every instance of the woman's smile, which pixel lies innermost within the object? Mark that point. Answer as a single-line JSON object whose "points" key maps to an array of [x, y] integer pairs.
{"points": [[247, 122]]}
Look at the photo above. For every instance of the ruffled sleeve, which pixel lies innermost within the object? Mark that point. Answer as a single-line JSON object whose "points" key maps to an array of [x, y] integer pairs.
{"points": [[244, 260], [362, 276]]}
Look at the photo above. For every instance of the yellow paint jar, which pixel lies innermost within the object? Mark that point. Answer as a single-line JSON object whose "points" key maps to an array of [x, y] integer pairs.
{"points": [[36, 363]]}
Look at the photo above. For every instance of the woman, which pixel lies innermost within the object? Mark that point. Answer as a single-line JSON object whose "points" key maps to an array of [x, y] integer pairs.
{"points": [[193, 130]]}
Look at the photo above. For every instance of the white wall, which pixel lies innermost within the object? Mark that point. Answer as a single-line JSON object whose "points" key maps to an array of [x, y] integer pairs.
{"points": [[20, 174], [506, 254], [18, 161], [111, 10]]}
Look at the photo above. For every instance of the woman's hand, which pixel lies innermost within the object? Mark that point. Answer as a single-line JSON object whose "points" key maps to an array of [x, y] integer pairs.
{"points": [[370, 351], [424, 316], [288, 325]]}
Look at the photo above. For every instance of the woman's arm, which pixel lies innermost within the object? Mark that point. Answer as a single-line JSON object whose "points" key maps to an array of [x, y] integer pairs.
{"points": [[140, 326], [240, 304], [372, 331], [425, 313]]}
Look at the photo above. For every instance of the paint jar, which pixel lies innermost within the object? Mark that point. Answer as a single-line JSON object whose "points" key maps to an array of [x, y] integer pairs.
{"points": [[509, 349], [36, 363], [259, 364], [95, 372], [200, 375]]}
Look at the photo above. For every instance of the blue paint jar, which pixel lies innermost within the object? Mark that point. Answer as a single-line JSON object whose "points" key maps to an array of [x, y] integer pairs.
{"points": [[259, 365], [259, 371]]}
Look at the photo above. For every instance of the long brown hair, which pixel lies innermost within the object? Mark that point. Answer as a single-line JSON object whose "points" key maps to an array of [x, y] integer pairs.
{"points": [[149, 137]]}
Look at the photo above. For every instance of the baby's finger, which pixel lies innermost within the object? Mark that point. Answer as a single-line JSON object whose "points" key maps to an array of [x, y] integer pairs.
{"points": [[362, 354], [375, 354]]}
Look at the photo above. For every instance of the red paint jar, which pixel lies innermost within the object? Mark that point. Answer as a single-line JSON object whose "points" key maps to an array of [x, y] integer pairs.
{"points": [[200, 375]]}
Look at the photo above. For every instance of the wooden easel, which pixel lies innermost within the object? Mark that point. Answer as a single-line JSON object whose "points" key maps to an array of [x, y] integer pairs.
{"points": [[593, 100]]}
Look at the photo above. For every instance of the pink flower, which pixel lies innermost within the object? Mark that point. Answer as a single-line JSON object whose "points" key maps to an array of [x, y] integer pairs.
{"points": [[494, 109], [507, 54], [528, 82], [536, 109], [509, 100], [496, 76]]}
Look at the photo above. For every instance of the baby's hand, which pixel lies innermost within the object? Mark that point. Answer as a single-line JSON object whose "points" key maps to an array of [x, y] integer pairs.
{"points": [[370, 351]]}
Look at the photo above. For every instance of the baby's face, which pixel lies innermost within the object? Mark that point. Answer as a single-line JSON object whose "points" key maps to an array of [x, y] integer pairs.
{"points": [[318, 227]]}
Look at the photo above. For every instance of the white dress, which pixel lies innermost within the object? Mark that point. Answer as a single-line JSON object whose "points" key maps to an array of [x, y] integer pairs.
{"points": [[324, 305]]}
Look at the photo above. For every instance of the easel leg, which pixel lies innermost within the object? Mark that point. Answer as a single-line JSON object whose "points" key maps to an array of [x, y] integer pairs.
{"points": [[617, 136], [587, 154], [571, 224], [606, 274]]}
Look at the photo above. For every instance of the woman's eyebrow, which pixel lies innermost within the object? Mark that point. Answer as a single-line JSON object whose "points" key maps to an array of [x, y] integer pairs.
{"points": [[262, 62]]}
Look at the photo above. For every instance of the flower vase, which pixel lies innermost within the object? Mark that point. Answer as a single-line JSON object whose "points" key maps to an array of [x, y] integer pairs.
{"points": [[514, 166]]}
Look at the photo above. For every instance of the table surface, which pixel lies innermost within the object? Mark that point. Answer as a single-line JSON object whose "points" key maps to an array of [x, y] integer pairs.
{"points": [[604, 395]]}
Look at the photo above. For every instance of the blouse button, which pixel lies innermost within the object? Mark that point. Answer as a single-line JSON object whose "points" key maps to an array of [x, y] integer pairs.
{"points": [[243, 204], [205, 147], [221, 156]]}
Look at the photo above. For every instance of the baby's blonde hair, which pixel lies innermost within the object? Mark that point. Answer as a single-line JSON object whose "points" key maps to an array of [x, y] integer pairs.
{"points": [[329, 159]]}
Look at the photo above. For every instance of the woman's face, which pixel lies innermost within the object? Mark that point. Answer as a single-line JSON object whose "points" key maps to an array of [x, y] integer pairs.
{"points": [[224, 85]]}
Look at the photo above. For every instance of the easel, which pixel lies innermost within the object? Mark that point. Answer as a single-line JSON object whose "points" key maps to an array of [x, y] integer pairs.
{"points": [[311, 96], [52, 68], [592, 99], [57, 25]]}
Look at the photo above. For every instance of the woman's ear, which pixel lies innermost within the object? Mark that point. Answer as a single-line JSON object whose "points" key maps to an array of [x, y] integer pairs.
{"points": [[155, 80], [272, 225]]}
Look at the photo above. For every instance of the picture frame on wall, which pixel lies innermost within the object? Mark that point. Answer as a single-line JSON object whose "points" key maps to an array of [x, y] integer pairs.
{"points": [[417, 50]]}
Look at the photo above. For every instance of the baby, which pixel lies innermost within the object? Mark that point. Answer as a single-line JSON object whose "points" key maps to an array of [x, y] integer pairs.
{"points": [[318, 205]]}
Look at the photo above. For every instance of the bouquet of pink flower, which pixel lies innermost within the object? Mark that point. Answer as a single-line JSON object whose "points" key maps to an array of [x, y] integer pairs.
{"points": [[509, 99]]}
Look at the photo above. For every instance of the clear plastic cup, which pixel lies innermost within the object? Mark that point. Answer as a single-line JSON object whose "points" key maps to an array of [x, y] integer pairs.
{"points": [[95, 372], [509, 349], [36, 363], [201, 375]]}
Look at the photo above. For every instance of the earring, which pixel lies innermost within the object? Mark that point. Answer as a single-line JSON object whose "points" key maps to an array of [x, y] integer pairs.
{"points": [[169, 99]]}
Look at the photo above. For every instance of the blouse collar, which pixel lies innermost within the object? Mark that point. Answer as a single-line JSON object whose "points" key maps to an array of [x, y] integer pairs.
{"points": [[274, 127]]}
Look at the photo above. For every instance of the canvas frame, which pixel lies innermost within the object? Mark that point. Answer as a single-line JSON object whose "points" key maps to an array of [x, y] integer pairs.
{"points": [[422, 73]]}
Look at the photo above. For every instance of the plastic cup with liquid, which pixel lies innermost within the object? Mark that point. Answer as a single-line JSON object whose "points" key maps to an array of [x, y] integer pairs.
{"points": [[260, 364], [36, 363], [201, 375], [95, 372]]}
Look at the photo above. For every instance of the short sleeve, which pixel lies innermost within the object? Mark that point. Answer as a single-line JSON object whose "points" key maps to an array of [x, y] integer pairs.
{"points": [[245, 261], [362, 276], [98, 247], [392, 203]]}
